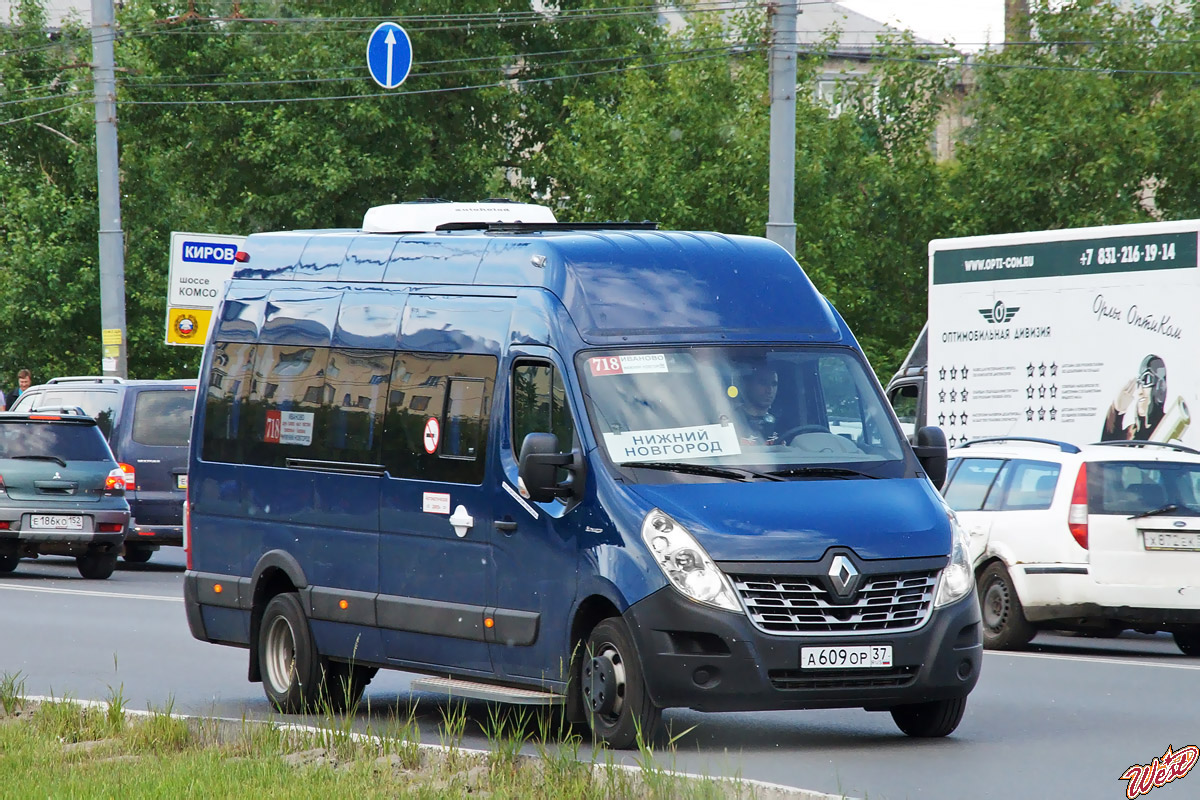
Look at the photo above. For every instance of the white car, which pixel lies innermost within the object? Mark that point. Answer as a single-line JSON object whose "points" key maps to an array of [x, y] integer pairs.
{"points": [[1100, 538]]}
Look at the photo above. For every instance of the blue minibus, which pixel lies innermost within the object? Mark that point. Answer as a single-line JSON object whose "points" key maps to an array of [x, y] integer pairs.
{"points": [[602, 466]]}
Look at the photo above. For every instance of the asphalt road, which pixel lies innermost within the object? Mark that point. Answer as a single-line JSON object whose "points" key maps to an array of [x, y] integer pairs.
{"points": [[1063, 720]]}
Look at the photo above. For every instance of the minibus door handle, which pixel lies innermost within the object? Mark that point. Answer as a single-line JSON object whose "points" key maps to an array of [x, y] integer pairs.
{"points": [[507, 526]]}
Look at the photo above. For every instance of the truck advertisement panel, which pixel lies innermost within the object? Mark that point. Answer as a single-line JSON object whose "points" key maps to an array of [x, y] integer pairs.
{"points": [[1076, 335]]}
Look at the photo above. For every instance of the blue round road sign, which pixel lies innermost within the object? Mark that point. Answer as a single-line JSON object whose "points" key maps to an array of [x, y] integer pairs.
{"points": [[389, 55]]}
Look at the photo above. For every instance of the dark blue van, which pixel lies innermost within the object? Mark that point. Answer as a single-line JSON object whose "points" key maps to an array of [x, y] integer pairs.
{"points": [[605, 466]]}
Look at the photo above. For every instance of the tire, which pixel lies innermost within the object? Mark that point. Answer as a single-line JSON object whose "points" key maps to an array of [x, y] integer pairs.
{"points": [[96, 566], [8, 563], [296, 678], [137, 555], [616, 704], [1004, 623], [930, 720], [1188, 641]]}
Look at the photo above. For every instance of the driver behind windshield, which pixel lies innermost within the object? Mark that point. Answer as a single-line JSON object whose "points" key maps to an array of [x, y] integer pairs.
{"points": [[753, 397]]}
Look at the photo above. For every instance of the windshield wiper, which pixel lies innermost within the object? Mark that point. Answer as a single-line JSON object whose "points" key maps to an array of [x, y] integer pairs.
{"points": [[1167, 509], [55, 459], [822, 472], [702, 469]]}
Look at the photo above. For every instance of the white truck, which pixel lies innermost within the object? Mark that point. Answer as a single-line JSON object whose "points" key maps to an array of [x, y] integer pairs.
{"points": [[1078, 335]]}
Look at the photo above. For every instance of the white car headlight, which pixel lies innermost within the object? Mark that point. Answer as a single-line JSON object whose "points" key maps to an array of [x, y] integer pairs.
{"points": [[684, 562], [957, 578]]}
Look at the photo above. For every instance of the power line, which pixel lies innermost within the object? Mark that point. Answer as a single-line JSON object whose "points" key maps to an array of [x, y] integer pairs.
{"points": [[442, 90], [444, 73], [44, 97], [43, 113]]}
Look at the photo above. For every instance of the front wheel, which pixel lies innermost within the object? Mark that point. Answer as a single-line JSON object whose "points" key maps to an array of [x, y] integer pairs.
{"points": [[96, 566], [1004, 623], [930, 720], [615, 700]]}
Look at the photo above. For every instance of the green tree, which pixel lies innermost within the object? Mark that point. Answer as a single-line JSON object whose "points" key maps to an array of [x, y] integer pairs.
{"points": [[261, 116], [1078, 126], [48, 212], [686, 144]]}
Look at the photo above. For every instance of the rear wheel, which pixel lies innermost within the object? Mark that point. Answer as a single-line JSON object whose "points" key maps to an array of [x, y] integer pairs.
{"points": [[138, 555], [9, 562], [930, 720], [296, 678], [1188, 641], [1004, 623], [615, 700], [95, 565]]}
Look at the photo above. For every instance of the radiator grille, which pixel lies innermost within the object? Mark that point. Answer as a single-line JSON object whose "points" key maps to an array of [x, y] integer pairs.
{"points": [[802, 606]]}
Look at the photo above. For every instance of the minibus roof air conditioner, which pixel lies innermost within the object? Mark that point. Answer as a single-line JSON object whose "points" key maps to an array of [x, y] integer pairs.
{"points": [[426, 216]]}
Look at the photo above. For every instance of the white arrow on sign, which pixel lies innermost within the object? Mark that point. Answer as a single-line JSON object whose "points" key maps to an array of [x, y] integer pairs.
{"points": [[391, 43]]}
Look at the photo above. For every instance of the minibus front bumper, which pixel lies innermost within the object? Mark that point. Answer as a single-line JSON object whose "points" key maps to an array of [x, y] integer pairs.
{"points": [[700, 657]]}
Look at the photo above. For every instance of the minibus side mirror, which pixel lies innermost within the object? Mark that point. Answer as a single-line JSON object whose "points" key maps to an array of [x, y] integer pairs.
{"points": [[933, 454], [538, 467]]}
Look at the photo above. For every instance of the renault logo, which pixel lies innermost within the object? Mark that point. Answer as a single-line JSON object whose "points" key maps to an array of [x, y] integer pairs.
{"points": [[842, 573]]}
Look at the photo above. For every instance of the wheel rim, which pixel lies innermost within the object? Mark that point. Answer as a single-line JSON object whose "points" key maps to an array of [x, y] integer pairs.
{"points": [[603, 683], [996, 606], [281, 654]]}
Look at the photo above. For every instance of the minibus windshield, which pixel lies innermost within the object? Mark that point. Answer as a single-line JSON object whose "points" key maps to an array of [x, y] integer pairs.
{"points": [[776, 409]]}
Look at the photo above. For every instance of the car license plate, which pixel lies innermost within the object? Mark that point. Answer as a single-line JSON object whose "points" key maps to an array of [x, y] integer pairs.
{"points": [[181, 481], [56, 522], [1171, 540], [856, 657]]}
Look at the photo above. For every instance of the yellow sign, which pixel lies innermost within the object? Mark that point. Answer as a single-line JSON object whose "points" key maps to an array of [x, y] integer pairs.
{"points": [[112, 351], [111, 336], [188, 325]]}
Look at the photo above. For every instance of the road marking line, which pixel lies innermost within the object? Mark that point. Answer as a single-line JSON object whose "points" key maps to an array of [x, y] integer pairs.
{"points": [[1096, 659], [85, 593]]}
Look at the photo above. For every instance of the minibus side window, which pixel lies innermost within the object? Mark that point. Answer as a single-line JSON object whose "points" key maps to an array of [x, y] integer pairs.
{"points": [[285, 399], [436, 424], [350, 423], [226, 399], [540, 406]]}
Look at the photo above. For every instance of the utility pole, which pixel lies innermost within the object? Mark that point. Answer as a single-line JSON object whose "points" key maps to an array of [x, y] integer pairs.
{"points": [[781, 210], [1016, 21], [112, 239]]}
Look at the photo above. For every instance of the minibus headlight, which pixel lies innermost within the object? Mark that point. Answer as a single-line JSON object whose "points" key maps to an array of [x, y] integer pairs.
{"points": [[957, 578], [684, 562]]}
